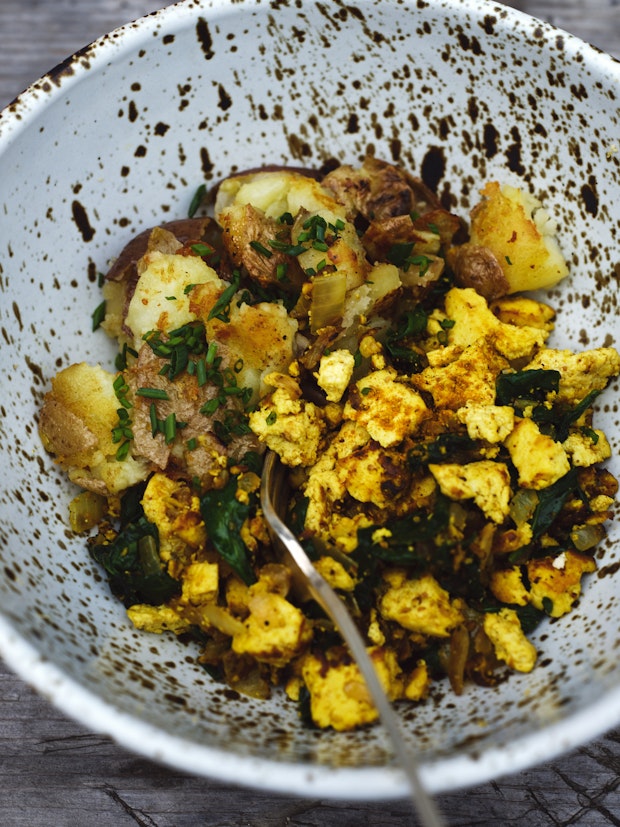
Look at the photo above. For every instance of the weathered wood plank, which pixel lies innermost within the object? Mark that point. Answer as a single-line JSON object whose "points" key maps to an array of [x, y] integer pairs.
{"points": [[54, 772]]}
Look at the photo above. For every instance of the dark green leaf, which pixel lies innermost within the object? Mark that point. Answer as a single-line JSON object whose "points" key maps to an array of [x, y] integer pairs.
{"points": [[532, 384], [131, 561], [224, 516], [551, 501]]}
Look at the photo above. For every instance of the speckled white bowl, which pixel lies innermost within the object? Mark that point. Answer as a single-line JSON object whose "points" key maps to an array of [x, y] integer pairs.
{"points": [[116, 139]]}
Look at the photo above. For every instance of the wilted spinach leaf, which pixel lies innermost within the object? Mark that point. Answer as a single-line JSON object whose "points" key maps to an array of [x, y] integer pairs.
{"points": [[551, 500], [532, 384], [131, 561], [445, 448], [224, 516], [410, 325]]}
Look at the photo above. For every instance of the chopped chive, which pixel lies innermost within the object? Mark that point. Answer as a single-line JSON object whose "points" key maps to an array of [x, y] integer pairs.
{"points": [[202, 250], [123, 451], [170, 428], [211, 351], [210, 407], [154, 420], [201, 372], [152, 393], [221, 308], [260, 248], [271, 417], [196, 201], [192, 444], [98, 315]]}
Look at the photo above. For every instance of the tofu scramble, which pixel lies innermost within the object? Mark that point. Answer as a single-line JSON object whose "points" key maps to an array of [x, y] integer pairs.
{"points": [[446, 472]]}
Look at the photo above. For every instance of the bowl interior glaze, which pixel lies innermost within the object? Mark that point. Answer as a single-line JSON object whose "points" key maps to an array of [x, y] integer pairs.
{"points": [[117, 139]]}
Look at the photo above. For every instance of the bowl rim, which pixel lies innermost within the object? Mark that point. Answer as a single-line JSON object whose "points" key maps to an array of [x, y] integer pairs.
{"points": [[81, 704]]}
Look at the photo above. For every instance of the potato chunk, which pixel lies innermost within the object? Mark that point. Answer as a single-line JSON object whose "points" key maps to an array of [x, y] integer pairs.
{"points": [[513, 225]]}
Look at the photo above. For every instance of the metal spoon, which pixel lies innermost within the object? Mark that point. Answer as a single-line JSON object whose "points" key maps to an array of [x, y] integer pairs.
{"points": [[273, 501]]}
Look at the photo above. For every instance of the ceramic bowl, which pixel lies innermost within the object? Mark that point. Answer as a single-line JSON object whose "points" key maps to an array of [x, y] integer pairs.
{"points": [[116, 139]]}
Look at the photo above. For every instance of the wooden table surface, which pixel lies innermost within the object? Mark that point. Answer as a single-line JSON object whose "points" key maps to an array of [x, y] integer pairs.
{"points": [[54, 773]]}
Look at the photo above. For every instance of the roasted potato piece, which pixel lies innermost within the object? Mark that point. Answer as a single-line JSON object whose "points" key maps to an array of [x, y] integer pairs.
{"points": [[521, 235]]}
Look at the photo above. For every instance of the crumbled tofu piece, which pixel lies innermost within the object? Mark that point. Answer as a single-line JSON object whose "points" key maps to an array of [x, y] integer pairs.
{"points": [[200, 582], [389, 409], [373, 474], [289, 425], [538, 458], [418, 683], [469, 378], [556, 587], [420, 605], [524, 312], [338, 694], [491, 423], [584, 450], [375, 632], [325, 485], [157, 619], [508, 587], [473, 320], [275, 631], [510, 643], [174, 509], [335, 371], [486, 482], [335, 573], [580, 373]]}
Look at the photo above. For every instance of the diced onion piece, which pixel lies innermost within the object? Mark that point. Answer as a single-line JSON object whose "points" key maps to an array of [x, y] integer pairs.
{"points": [[587, 536], [523, 505], [86, 511], [216, 616], [328, 295]]}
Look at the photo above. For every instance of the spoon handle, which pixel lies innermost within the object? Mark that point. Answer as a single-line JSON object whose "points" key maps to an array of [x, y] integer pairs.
{"points": [[333, 606]]}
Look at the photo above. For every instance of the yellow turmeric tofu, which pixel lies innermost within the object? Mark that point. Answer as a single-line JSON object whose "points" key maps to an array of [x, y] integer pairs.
{"points": [[538, 458], [157, 619], [200, 582], [334, 374], [289, 425], [510, 643], [338, 694], [388, 408], [473, 320], [470, 377], [274, 632], [486, 482], [492, 423], [580, 373], [420, 605], [555, 582]]}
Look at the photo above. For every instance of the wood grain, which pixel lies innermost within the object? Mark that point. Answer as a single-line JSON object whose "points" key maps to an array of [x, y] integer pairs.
{"points": [[54, 773]]}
